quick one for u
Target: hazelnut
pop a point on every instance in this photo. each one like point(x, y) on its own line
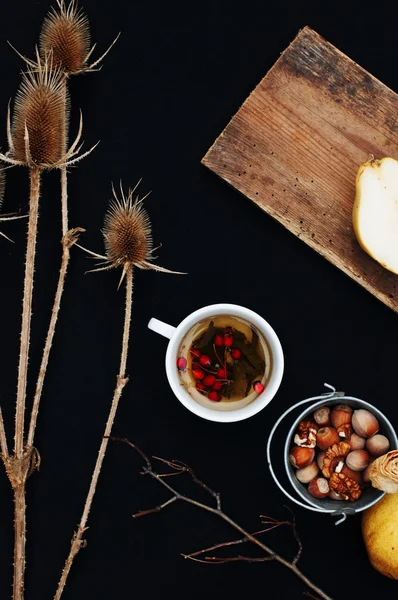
point(341, 415)
point(364, 423)
point(326, 437)
point(308, 473)
point(334, 495)
point(319, 487)
point(301, 457)
point(358, 460)
point(355, 475)
point(357, 442)
point(320, 458)
point(322, 416)
point(377, 445)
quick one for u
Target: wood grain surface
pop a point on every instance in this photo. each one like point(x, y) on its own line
point(295, 146)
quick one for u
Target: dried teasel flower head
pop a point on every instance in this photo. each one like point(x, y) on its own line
point(37, 136)
point(66, 34)
point(128, 235)
point(37, 132)
point(127, 231)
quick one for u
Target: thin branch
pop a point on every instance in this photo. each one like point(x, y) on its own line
point(178, 465)
point(3, 438)
point(77, 541)
point(156, 509)
point(218, 560)
point(270, 554)
point(235, 542)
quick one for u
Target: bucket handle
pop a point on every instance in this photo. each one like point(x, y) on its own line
point(326, 396)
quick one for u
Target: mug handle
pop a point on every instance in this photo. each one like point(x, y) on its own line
point(161, 328)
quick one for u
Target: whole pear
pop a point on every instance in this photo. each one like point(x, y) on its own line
point(380, 534)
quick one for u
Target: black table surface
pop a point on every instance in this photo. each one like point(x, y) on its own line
point(167, 89)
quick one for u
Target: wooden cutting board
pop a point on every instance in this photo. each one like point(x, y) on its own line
point(295, 146)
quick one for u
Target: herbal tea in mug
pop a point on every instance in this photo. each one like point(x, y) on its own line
point(224, 362)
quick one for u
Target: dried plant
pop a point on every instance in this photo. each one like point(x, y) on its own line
point(65, 36)
point(205, 555)
point(66, 33)
point(128, 243)
point(36, 140)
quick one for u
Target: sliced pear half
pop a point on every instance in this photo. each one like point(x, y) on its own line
point(375, 212)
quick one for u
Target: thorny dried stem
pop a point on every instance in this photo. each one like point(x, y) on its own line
point(68, 240)
point(27, 311)
point(77, 540)
point(18, 467)
point(180, 468)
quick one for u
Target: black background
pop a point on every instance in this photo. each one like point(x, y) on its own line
point(176, 76)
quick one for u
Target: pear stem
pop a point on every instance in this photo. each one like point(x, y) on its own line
point(77, 541)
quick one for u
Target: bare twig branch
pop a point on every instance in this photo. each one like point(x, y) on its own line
point(183, 468)
point(235, 542)
point(218, 560)
point(155, 509)
point(247, 537)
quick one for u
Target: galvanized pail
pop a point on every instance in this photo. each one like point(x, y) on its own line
point(336, 508)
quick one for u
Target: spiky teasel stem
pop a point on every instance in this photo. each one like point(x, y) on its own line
point(36, 140)
point(77, 541)
point(66, 36)
point(21, 462)
point(27, 311)
point(128, 243)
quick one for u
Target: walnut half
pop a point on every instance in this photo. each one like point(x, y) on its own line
point(346, 487)
point(306, 434)
point(333, 456)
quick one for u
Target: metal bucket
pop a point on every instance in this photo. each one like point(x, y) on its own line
point(336, 508)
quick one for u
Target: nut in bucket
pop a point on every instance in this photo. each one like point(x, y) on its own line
point(328, 449)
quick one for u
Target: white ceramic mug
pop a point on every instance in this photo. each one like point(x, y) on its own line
point(177, 334)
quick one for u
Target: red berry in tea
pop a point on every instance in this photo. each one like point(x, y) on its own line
point(198, 373)
point(205, 361)
point(222, 374)
point(181, 363)
point(228, 360)
point(227, 340)
point(258, 387)
point(209, 380)
point(236, 354)
point(218, 340)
